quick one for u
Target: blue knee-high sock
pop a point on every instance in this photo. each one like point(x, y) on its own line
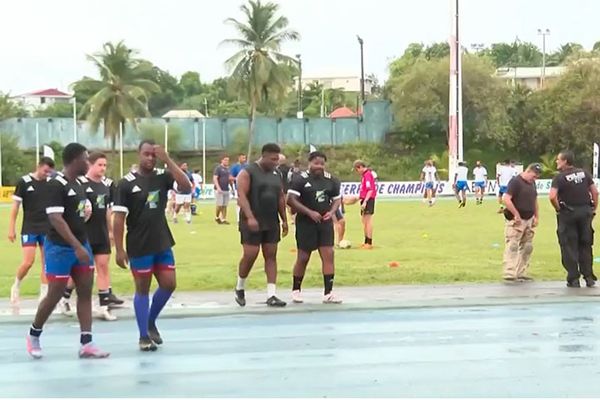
point(160, 298)
point(141, 304)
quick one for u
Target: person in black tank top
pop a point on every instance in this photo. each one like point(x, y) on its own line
point(262, 207)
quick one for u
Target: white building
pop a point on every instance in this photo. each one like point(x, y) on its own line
point(346, 82)
point(530, 77)
point(42, 99)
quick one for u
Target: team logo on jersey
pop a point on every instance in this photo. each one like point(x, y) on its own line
point(71, 193)
point(81, 208)
point(576, 177)
point(152, 199)
point(320, 196)
point(101, 201)
point(30, 189)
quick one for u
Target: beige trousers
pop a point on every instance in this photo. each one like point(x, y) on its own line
point(518, 247)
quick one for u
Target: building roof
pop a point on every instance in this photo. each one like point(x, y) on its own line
point(342, 112)
point(46, 93)
point(528, 72)
point(183, 114)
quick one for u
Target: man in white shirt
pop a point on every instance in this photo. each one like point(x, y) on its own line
point(460, 183)
point(429, 176)
point(197, 189)
point(480, 177)
point(505, 172)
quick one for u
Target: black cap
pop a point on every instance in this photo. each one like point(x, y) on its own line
point(536, 167)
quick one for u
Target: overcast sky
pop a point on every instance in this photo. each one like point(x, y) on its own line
point(43, 43)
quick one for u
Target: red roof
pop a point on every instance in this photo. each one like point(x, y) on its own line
point(342, 112)
point(48, 93)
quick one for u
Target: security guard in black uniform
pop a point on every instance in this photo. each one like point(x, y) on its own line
point(574, 196)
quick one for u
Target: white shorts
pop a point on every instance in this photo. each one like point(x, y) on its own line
point(183, 198)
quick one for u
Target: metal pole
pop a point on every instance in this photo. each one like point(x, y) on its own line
point(196, 134)
point(459, 86)
point(204, 155)
point(166, 135)
point(37, 143)
point(362, 69)
point(74, 119)
point(543, 33)
point(121, 146)
point(299, 113)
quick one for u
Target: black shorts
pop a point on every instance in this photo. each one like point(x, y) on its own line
point(100, 248)
point(369, 209)
point(339, 214)
point(251, 238)
point(310, 236)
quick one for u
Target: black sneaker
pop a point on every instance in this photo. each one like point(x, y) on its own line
point(114, 300)
point(590, 282)
point(154, 335)
point(146, 344)
point(510, 279)
point(225, 223)
point(218, 221)
point(574, 284)
point(240, 297)
point(274, 301)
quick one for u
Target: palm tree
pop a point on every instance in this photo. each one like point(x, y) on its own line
point(121, 94)
point(259, 70)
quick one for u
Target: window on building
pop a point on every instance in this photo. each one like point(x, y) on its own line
point(42, 100)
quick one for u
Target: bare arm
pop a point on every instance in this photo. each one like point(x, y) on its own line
point(243, 187)
point(12, 221)
point(553, 196)
point(58, 222)
point(282, 210)
point(216, 183)
point(594, 194)
point(119, 229)
point(507, 199)
point(422, 178)
point(183, 182)
point(109, 224)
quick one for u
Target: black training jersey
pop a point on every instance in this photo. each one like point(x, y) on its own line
point(101, 194)
point(144, 198)
point(264, 195)
point(67, 198)
point(316, 192)
point(30, 193)
point(573, 187)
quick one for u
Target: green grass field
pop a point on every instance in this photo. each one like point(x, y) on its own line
point(442, 244)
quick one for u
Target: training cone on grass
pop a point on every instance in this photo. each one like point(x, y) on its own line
point(394, 264)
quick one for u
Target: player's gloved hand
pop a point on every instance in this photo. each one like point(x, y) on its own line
point(315, 216)
point(83, 256)
point(12, 236)
point(253, 224)
point(284, 229)
point(122, 259)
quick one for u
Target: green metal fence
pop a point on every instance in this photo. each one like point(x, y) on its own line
point(219, 132)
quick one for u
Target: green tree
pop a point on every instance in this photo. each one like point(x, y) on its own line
point(420, 103)
point(56, 110)
point(10, 109)
point(259, 69)
point(168, 95)
point(190, 84)
point(565, 52)
point(121, 94)
point(15, 163)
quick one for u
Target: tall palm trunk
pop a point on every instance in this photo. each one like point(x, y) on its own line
point(252, 124)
